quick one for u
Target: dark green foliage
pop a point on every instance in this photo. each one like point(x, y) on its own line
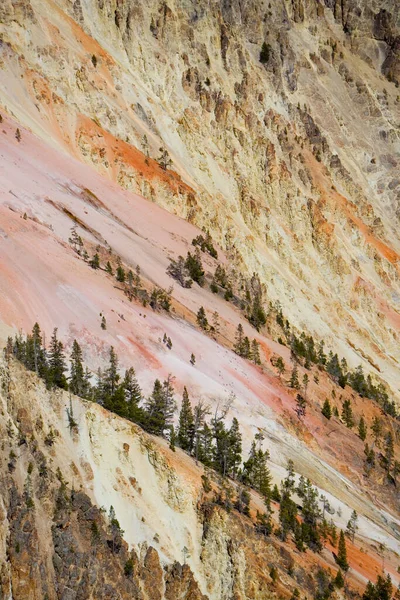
point(95, 262)
point(179, 271)
point(206, 244)
point(202, 318)
point(341, 557)
point(294, 379)
point(352, 526)
point(254, 310)
point(242, 503)
point(120, 274)
point(128, 568)
point(339, 580)
point(311, 515)
point(347, 414)
point(56, 364)
point(160, 299)
point(301, 406)
point(160, 407)
point(275, 494)
point(227, 447)
point(263, 523)
point(362, 429)
point(186, 424)
point(255, 472)
point(265, 53)
point(103, 323)
point(79, 379)
point(280, 365)
point(109, 268)
point(255, 352)
point(195, 268)
point(382, 590)
point(220, 277)
point(326, 409)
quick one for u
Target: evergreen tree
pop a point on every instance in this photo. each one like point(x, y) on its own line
point(294, 379)
point(186, 424)
point(376, 429)
point(300, 406)
point(95, 262)
point(352, 526)
point(133, 397)
point(120, 275)
point(111, 378)
point(326, 409)
point(389, 450)
point(255, 471)
point(160, 407)
point(255, 352)
point(195, 268)
point(263, 523)
point(347, 414)
point(57, 367)
point(178, 270)
point(341, 558)
point(77, 379)
point(234, 448)
point(202, 318)
point(204, 445)
point(339, 580)
point(239, 340)
point(109, 268)
point(192, 359)
point(280, 365)
point(362, 429)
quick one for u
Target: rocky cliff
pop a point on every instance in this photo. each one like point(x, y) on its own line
point(291, 161)
point(275, 126)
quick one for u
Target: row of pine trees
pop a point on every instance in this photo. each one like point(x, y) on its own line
point(205, 437)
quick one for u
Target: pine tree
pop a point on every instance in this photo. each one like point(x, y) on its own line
point(389, 450)
point(57, 367)
point(120, 275)
point(300, 406)
point(109, 268)
point(195, 268)
point(347, 414)
point(352, 527)
point(234, 448)
point(376, 429)
point(192, 359)
point(133, 396)
point(103, 323)
point(362, 429)
point(339, 580)
point(204, 445)
point(111, 376)
point(160, 407)
point(280, 365)
point(326, 409)
point(239, 340)
point(202, 318)
point(341, 558)
point(95, 262)
point(255, 352)
point(77, 380)
point(294, 379)
point(186, 424)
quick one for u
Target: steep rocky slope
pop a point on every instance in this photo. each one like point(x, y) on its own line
point(291, 162)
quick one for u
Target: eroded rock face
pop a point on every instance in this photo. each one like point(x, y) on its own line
point(259, 148)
